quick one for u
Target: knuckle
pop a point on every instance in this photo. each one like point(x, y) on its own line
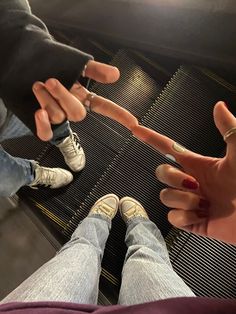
point(58, 92)
point(132, 121)
point(57, 117)
point(189, 200)
point(182, 220)
point(78, 115)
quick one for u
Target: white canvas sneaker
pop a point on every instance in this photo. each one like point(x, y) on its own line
point(106, 205)
point(130, 208)
point(50, 177)
point(73, 152)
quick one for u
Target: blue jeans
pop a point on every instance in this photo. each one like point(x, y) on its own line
point(17, 172)
point(73, 274)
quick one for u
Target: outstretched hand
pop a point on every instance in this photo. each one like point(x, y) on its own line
point(202, 196)
point(58, 104)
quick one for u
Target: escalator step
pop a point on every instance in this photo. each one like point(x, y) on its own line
point(207, 266)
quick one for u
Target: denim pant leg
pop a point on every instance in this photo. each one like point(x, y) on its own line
point(14, 173)
point(16, 128)
point(60, 133)
point(17, 172)
point(147, 272)
point(73, 274)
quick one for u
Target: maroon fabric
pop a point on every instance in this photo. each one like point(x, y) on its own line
point(169, 306)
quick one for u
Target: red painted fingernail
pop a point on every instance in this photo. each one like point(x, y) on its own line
point(202, 214)
point(204, 203)
point(190, 184)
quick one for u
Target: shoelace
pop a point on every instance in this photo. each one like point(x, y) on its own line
point(73, 145)
point(45, 177)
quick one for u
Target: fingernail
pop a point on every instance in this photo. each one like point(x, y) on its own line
point(204, 203)
point(202, 214)
point(37, 86)
point(171, 157)
point(51, 83)
point(179, 148)
point(190, 184)
point(42, 115)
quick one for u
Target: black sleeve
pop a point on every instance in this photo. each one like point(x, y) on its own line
point(28, 53)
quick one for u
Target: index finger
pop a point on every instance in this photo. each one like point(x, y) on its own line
point(163, 144)
point(105, 107)
point(109, 109)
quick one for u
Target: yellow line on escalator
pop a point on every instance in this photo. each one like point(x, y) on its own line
point(49, 214)
point(109, 277)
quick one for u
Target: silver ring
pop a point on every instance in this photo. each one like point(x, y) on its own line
point(84, 70)
point(87, 102)
point(229, 133)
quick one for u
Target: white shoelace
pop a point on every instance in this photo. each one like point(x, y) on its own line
point(45, 176)
point(72, 146)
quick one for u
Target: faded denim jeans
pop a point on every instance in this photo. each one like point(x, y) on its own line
point(17, 172)
point(73, 274)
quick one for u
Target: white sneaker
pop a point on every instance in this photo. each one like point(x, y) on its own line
point(73, 152)
point(106, 205)
point(50, 177)
point(130, 208)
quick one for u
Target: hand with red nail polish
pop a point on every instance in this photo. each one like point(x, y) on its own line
point(202, 195)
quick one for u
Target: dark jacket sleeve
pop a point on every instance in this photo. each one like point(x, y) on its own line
point(28, 53)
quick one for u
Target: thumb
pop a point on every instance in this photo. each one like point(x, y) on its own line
point(101, 72)
point(167, 146)
point(225, 121)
